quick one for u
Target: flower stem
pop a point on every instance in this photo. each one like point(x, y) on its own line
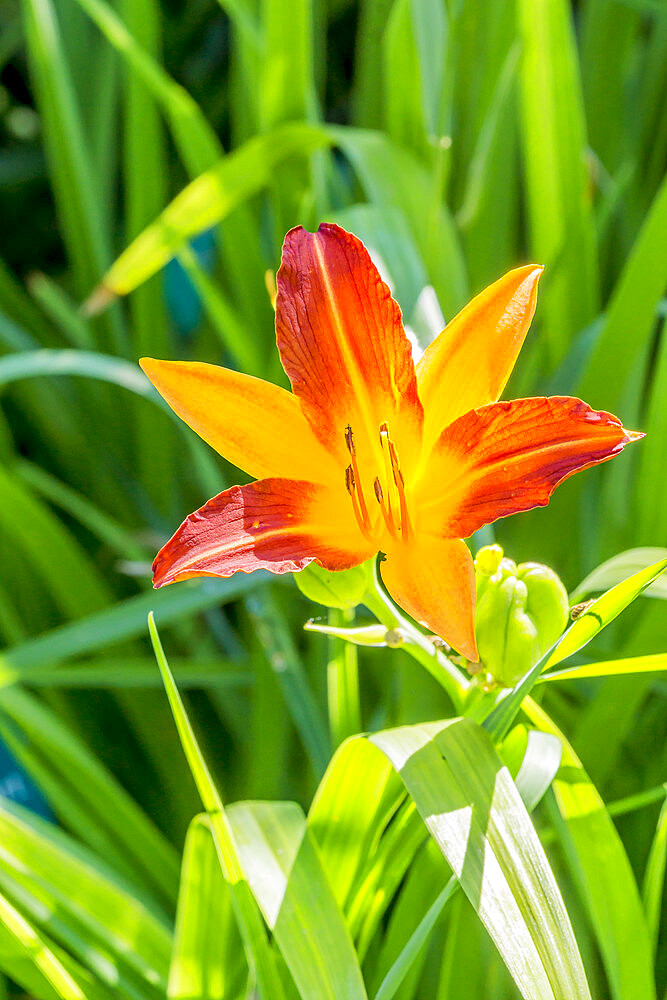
point(342, 682)
point(418, 645)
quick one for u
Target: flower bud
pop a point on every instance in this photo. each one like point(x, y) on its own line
point(521, 611)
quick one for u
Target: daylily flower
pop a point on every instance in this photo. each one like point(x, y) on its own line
point(367, 453)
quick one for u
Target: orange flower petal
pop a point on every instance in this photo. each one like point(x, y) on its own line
point(433, 579)
point(256, 425)
point(343, 346)
point(275, 524)
point(509, 457)
point(469, 363)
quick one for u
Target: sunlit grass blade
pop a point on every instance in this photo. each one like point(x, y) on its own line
point(610, 668)
point(616, 569)
point(205, 201)
point(294, 683)
point(342, 683)
point(633, 305)
point(197, 142)
point(144, 162)
point(414, 48)
point(280, 860)
point(206, 961)
point(393, 979)
point(50, 549)
point(74, 889)
point(603, 611)
point(539, 761)
point(33, 961)
point(650, 509)
point(74, 185)
point(84, 796)
point(609, 892)
point(258, 954)
point(358, 792)
point(287, 87)
point(17, 304)
point(132, 672)
point(127, 620)
point(73, 180)
point(554, 147)
point(104, 527)
point(63, 313)
point(654, 877)
point(383, 873)
point(472, 808)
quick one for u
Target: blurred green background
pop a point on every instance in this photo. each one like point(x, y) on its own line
point(458, 139)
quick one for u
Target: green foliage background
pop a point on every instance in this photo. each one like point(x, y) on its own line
point(457, 138)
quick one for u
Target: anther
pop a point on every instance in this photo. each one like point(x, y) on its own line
point(356, 479)
point(349, 440)
point(349, 479)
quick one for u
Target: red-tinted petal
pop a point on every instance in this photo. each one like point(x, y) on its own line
point(433, 579)
point(275, 524)
point(343, 346)
point(509, 457)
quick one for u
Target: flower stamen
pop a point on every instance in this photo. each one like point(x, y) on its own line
point(352, 489)
point(406, 527)
point(386, 511)
point(393, 474)
point(356, 479)
point(384, 444)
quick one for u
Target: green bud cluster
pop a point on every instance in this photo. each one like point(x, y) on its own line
point(521, 611)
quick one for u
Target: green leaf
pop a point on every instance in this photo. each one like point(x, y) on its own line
point(205, 201)
point(33, 961)
point(258, 953)
point(610, 668)
point(601, 869)
point(205, 961)
point(126, 620)
point(358, 791)
point(196, 140)
point(554, 148)
point(533, 759)
point(292, 678)
point(473, 810)
point(654, 877)
point(71, 894)
point(603, 611)
point(618, 568)
point(49, 549)
point(84, 796)
point(281, 863)
point(633, 305)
